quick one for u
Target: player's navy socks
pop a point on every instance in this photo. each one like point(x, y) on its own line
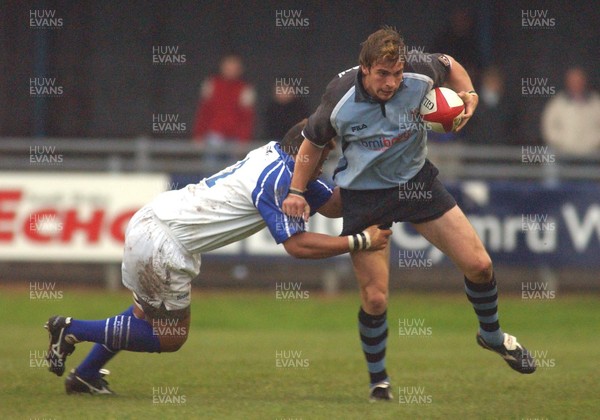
point(98, 356)
point(120, 332)
point(484, 298)
point(373, 336)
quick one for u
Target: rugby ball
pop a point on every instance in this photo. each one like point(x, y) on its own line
point(442, 110)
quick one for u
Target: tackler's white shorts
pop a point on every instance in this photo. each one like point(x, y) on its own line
point(155, 266)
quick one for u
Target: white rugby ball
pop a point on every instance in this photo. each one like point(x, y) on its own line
point(442, 109)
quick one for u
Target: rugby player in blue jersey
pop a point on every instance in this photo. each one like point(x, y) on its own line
point(373, 109)
point(165, 238)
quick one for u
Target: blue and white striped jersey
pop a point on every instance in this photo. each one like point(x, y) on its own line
point(237, 202)
point(383, 144)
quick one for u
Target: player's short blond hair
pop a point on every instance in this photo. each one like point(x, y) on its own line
point(384, 46)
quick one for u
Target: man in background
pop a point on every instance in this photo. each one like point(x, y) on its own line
point(497, 120)
point(226, 109)
point(284, 109)
point(571, 119)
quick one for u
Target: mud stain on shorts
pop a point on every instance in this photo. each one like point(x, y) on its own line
point(150, 281)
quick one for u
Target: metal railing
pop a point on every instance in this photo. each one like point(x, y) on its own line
point(455, 160)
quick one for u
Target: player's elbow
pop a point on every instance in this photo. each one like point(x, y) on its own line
point(294, 247)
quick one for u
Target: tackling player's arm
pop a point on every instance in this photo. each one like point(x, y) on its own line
point(317, 133)
point(459, 81)
point(307, 160)
point(316, 245)
point(302, 244)
point(291, 231)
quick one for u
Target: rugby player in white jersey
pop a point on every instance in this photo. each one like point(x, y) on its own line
point(165, 238)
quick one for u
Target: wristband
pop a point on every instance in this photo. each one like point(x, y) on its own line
point(360, 241)
point(351, 243)
point(294, 191)
point(367, 237)
point(472, 92)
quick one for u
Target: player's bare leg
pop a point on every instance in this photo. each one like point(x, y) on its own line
point(372, 272)
point(454, 235)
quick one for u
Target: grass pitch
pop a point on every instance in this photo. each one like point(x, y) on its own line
point(252, 356)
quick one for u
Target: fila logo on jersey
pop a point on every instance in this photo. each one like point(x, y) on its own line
point(358, 127)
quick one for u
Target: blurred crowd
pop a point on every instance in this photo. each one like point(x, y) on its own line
point(570, 118)
point(569, 123)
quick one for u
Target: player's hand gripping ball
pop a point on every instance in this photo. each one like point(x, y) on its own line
point(442, 110)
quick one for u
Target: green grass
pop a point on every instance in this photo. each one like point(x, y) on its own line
point(227, 368)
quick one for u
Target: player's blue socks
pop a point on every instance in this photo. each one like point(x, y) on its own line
point(373, 336)
point(94, 361)
point(484, 298)
point(121, 332)
point(98, 356)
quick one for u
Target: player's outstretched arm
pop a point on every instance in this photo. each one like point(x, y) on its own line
point(333, 207)
point(316, 245)
point(459, 81)
point(305, 164)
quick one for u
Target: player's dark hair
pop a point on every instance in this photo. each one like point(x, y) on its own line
point(293, 138)
point(384, 46)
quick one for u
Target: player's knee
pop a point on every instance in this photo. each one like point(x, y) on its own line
point(375, 302)
point(172, 344)
point(480, 270)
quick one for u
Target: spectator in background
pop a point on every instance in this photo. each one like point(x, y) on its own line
point(571, 119)
point(497, 119)
point(461, 42)
point(226, 109)
point(283, 111)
